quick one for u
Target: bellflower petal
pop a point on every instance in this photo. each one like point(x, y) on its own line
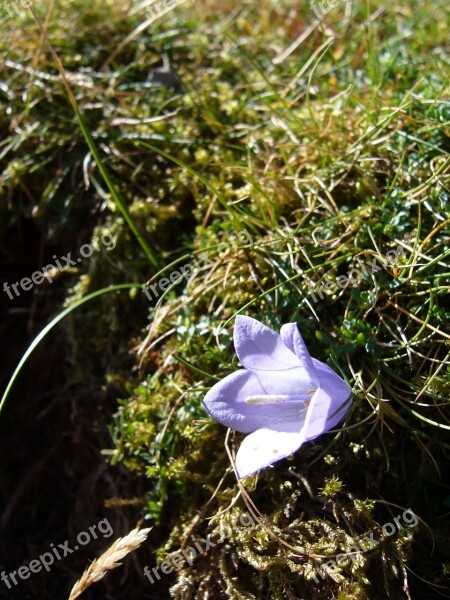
point(264, 446)
point(282, 397)
point(226, 403)
point(260, 348)
point(329, 404)
point(291, 338)
point(292, 382)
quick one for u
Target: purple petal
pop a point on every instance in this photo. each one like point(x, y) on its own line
point(264, 447)
point(260, 348)
point(291, 337)
point(225, 402)
point(293, 382)
point(329, 404)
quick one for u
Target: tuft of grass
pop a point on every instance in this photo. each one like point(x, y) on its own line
point(332, 154)
point(110, 559)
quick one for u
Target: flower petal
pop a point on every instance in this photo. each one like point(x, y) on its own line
point(261, 348)
point(294, 382)
point(264, 447)
point(292, 339)
point(329, 404)
point(225, 402)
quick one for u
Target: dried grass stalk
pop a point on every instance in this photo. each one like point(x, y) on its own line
point(109, 560)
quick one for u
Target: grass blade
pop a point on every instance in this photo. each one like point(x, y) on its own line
point(118, 200)
point(49, 327)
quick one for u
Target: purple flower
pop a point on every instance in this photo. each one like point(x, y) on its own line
point(282, 397)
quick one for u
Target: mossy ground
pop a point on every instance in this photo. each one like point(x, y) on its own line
point(279, 168)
